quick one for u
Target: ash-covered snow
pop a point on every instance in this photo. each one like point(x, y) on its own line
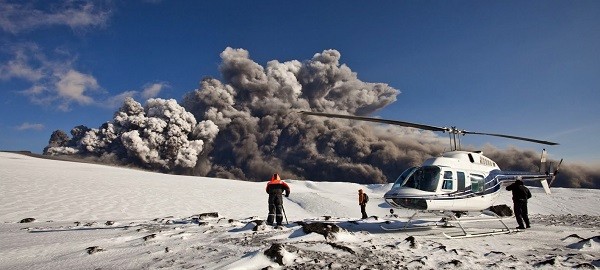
point(90, 216)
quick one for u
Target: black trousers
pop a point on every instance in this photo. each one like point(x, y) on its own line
point(275, 209)
point(521, 212)
point(363, 210)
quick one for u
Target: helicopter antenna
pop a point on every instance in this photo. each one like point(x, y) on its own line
point(453, 132)
point(458, 139)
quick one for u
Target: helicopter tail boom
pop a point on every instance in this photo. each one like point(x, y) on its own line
point(507, 177)
point(545, 176)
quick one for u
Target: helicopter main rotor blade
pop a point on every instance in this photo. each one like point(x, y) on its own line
point(421, 126)
point(378, 120)
point(511, 137)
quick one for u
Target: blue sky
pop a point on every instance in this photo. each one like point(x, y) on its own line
point(525, 68)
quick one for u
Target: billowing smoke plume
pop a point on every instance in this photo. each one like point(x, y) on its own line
point(250, 127)
point(261, 133)
point(161, 135)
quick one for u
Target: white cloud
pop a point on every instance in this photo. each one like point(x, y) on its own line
point(25, 16)
point(73, 85)
point(21, 65)
point(28, 126)
point(35, 90)
point(153, 90)
point(54, 81)
point(18, 68)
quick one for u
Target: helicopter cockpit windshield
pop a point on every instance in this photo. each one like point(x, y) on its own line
point(424, 178)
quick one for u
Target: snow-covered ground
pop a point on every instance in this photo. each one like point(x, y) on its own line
point(91, 216)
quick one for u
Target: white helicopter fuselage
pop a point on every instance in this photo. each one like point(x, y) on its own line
point(457, 181)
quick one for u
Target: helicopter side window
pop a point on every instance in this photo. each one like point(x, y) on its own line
point(448, 179)
point(477, 183)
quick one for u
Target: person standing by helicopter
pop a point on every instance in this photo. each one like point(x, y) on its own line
point(362, 201)
point(520, 194)
point(275, 189)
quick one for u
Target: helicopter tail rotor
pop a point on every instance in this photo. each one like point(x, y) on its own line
point(555, 172)
point(550, 172)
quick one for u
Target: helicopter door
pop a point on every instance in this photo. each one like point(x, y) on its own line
point(461, 181)
point(448, 185)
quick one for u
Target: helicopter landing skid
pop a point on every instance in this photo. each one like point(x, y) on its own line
point(453, 220)
point(408, 226)
point(471, 235)
point(404, 228)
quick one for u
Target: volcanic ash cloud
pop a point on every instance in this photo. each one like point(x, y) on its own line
point(246, 126)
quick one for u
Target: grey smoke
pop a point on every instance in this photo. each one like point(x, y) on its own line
point(161, 135)
point(570, 175)
point(255, 109)
point(249, 128)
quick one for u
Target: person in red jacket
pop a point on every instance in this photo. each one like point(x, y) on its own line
point(362, 201)
point(275, 189)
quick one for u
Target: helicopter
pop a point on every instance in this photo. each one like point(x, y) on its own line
point(457, 182)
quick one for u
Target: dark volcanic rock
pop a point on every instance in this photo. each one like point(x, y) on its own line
point(94, 249)
point(275, 252)
point(551, 261)
point(412, 241)
point(455, 262)
point(491, 253)
point(27, 220)
point(148, 237)
point(208, 215)
point(341, 247)
point(585, 242)
point(584, 266)
point(325, 229)
point(572, 235)
point(502, 210)
point(260, 225)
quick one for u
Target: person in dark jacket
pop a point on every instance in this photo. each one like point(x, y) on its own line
point(520, 194)
point(362, 201)
point(275, 188)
